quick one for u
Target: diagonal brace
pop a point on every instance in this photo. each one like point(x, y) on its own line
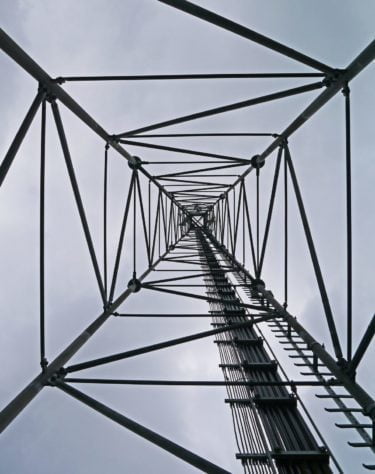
point(146, 433)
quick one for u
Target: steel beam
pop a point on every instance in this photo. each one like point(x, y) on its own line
point(146, 433)
point(227, 108)
point(173, 77)
point(20, 135)
point(240, 30)
point(163, 345)
point(362, 347)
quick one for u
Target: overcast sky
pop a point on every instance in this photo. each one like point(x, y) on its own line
point(56, 434)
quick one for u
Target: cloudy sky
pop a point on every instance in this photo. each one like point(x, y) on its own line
point(55, 434)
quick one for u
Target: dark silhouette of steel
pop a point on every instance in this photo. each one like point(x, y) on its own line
point(172, 77)
point(204, 227)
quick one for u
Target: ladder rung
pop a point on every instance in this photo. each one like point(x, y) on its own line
point(252, 456)
point(286, 456)
point(344, 410)
point(337, 395)
point(301, 357)
point(325, 374)
point(296, 349)
point(264, 401)
point(360, 445)
point(301, 456)
point(257, 341)
point(252, 365)
point(308, 365)
point(291, 341)
point(354, 425)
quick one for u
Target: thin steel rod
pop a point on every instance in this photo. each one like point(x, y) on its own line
point(143, 218)
point(200, 297)
point(121, 239)
point(226, 108)
point(179, 162)
point(249, 227)
point(187, 173)
point(169, 77)
point(20, 135)
point(181, 150)
point(205, 383)
point(270, 210)
point(286, 261)
point(156, 226)
point(77, 195)
point(148, 315)
point(180, 135)
point(146, 433)
point(177, 278)
point(135, 225)
point(314, 258)
point(163, 345)
point(245, 32)
point(362, 347)
point(149, 219)
point(105, 198)
point(43, 360)
point(257, 203)
point(346, 92)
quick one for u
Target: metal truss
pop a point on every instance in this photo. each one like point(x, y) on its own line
point(199, 217)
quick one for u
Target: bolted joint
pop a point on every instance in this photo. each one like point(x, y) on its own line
point(59, 80)
point(134, 163)
point(257, 162)
point(107, 306)
point(332, 78)
point(222, 196)
point(258, 282)
point(42, 88)
point(134, 285)
point(44, 364)
point(50, 98)
point(171, 247)
point(57, 377)
point(114, 139)
point(345, 90)
point(283, 142)
point(370, 411)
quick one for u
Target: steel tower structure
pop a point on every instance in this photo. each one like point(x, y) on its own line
point(201, 220)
